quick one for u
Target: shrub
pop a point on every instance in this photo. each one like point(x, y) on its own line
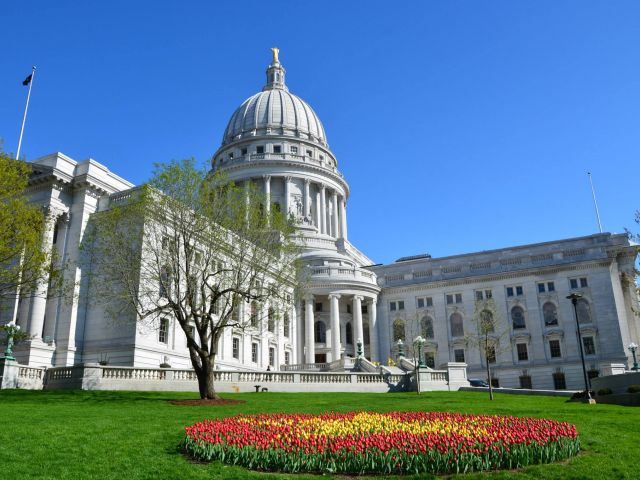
point(633, 389)
point(604, 391)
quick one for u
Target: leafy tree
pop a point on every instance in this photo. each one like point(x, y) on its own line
point(193, 247)
point(25, 263)
point(632, 279)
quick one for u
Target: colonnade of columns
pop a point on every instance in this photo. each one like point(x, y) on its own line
point(329, 215)
point(35, 306)
point(334, 316)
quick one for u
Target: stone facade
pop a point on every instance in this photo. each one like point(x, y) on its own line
point(276, 141)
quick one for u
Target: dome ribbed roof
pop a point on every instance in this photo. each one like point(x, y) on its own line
point(274, 111)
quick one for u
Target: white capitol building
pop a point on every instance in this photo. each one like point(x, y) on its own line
point(275, 140)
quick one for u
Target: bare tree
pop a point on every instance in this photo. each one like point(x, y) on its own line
point(490, 337)
point(194, 247)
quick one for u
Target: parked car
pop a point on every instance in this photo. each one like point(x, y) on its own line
point(476, 382)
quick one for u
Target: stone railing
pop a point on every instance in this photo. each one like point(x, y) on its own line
point(335, 272)
point(305, 367)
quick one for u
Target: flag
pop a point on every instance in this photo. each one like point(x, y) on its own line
point(27, 80)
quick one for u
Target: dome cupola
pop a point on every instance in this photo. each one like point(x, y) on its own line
point(275, 111)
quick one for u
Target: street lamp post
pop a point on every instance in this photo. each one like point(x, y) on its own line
point(12, 329)
point(632, 348)
point(574, 297)
point(400, 348)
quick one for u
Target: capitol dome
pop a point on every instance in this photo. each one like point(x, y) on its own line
point(275, 111)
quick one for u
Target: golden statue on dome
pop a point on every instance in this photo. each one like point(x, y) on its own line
point(275, 52)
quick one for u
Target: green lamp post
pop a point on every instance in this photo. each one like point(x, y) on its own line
point(11, 328)
point(632, 348)
point(418, 344)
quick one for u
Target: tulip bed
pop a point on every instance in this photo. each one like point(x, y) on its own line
point(367, 442)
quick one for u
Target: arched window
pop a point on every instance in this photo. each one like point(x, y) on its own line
point(398, 330)
point(517, 316)
point(550, 314)
point(457, 330)
point(584, 311)
point(349, 334)
point(320, 332)
point(426, 327)
point(486, 322)
point(285, 324)
point(271, 320)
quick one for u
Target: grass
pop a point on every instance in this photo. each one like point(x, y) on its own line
point(134, 435)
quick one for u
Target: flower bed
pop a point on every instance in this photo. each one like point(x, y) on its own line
point(367, 442)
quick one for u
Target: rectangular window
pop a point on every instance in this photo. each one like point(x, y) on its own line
point(525, 382)
point(254, 352)
point(294, 149)
point(429, 301)
point(583, 283)
point(523, 355)
point(488, 294)
point(491, 354)
point(364, 309)
point(589, 346)
point(458, 298)
point(449, 299)
point(458, 355)
point(309, 153)
point(260, 149)
point(519, 290)
point(554, 349)
point(272, 356)
point(420, 302)
point(559, 381)
point(163, 331)
point(430, 359)
point(551, 286)
point(318, 306)
point(392, 306)
point(287, 358)
point(277, 149)
point(509, 291)
point(479, 295)
point(574, 283)
point(235, 350)
point(400, 305)
point(541, 288)
point(243, 151)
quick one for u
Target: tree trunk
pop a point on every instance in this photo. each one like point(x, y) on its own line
point(205, 380)
point(489, 378)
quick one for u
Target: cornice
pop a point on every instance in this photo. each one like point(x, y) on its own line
point(584, 265)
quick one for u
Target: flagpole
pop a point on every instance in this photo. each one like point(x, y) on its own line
point(26, 107)
point(595, 203)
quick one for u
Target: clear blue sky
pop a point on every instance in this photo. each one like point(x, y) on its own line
point(460, 125)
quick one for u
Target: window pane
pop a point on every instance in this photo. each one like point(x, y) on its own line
point(517, 316)
point(518, 290)
point(574, 283)
point(523, 355)
point(457, 329)
point(589, 346)
point(429, 302)
point(458, 298)
point(400, 305)
point(583, 283)
point(509, 291)
point(478, 295)
point(458, 354)
point(421, 303)
point(541, 287)
point(550, 314)
point(554, 348)
point(551, 286)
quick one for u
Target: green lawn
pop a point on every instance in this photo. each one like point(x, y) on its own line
point(134, 435)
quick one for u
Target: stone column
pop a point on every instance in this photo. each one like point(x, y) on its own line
point(334, 309)
point(298, 352)
point(334, 201)
point(343, 217)
point(357, 320)
point(310, 345)
point(323, 209)
point(373, 330)
point(39, 299)
point(247, 199)
point(287, 194)
point(307, 198)
point(51, 314)
point(267, 196)
point(317, 212)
